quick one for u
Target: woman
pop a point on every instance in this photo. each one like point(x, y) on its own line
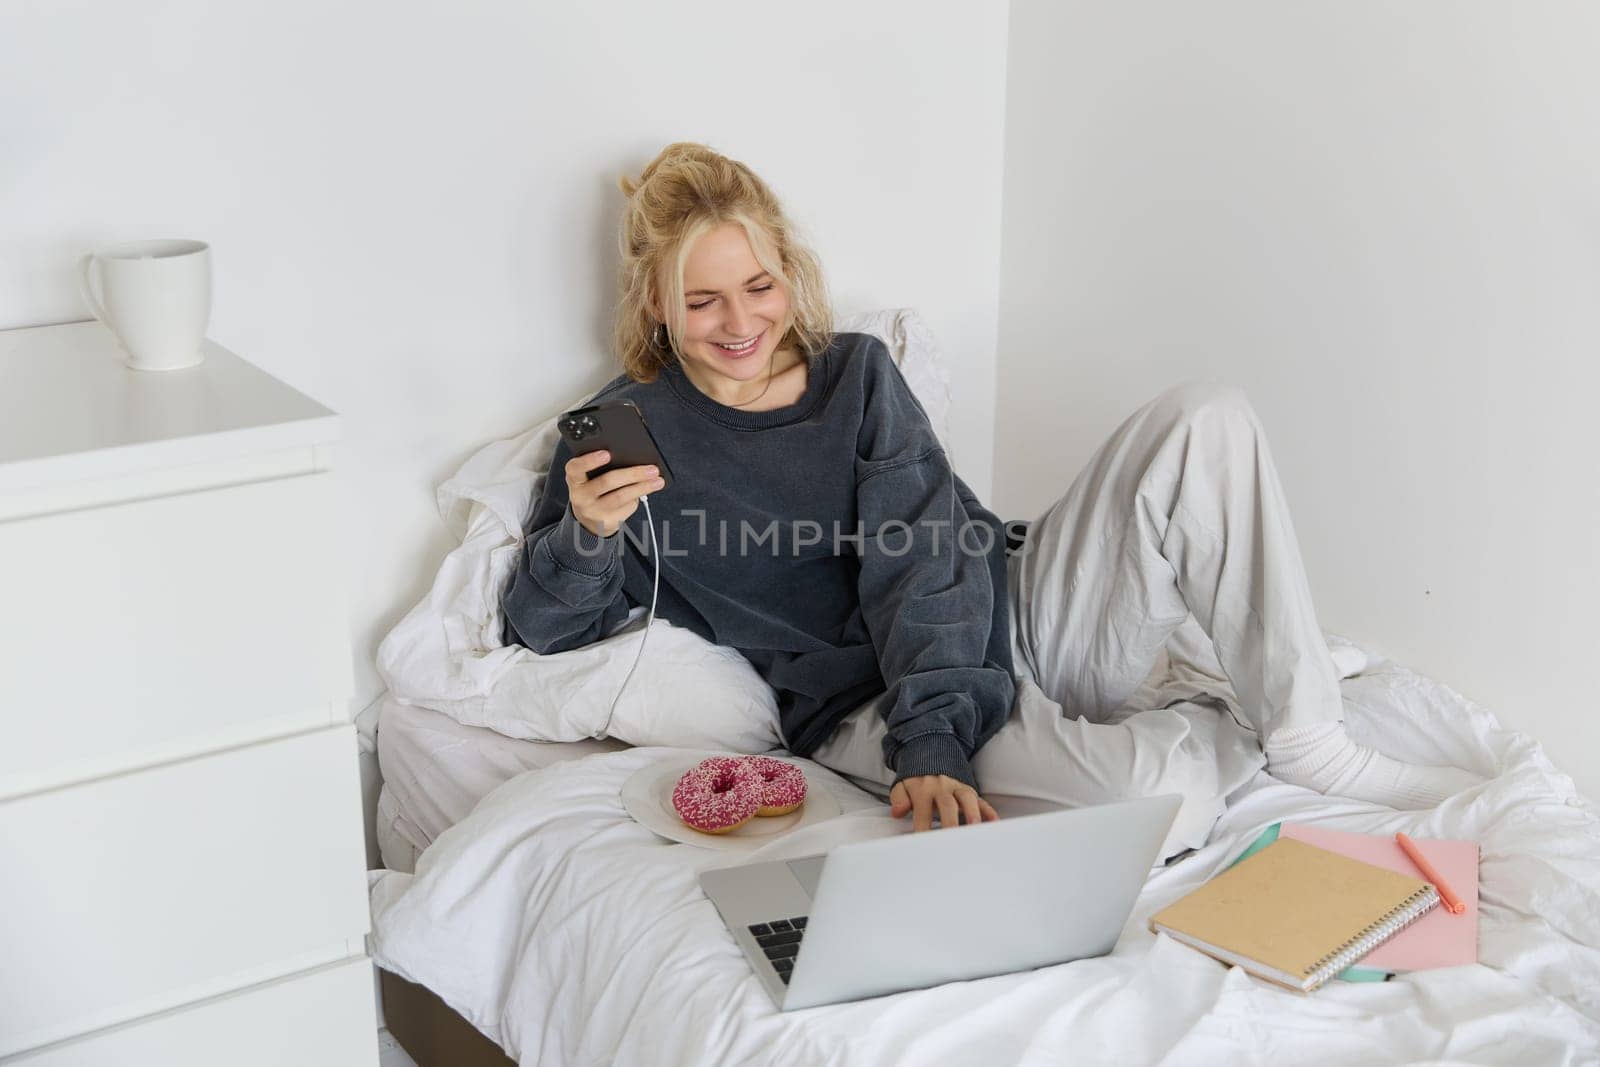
point(815, 524)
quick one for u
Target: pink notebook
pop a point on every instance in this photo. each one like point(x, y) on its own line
point(1438, 939)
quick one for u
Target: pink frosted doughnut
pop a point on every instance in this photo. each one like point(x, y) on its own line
point(718, 794)
point(785, 785)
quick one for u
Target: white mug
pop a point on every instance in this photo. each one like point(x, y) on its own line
point(157, 299)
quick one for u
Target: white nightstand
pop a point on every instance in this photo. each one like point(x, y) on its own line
point(181, 847)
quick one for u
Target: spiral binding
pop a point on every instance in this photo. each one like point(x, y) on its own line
point(1411, 909)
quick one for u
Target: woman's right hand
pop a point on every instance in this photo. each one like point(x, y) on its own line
point(603, 503)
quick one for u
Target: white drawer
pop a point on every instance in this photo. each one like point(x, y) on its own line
point(140, 892)
point(321, 1019)
point(154, 629)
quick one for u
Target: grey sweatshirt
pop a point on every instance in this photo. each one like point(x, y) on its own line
point(828, 541)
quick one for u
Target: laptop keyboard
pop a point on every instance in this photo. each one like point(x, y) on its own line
point(780, 940)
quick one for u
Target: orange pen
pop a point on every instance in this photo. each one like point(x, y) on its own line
point(1452, 903)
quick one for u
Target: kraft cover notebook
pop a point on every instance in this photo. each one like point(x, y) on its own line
point(1296, 914)
point(1438, 939)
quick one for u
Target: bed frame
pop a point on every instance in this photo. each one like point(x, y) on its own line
point(431, 1032)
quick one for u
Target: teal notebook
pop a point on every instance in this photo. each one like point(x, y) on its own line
point(1349, 974)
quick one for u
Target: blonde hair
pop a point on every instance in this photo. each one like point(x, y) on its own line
point(686, 191)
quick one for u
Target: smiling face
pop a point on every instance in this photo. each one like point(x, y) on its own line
point(735, 315)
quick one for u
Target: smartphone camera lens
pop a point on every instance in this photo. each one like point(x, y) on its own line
point(572, 427)
point(588, 423)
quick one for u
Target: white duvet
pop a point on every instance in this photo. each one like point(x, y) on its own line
point(571, 935)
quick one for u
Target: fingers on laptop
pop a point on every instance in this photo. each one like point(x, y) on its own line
point(954, 801)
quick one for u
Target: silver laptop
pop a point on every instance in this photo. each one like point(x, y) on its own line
point(920, 909)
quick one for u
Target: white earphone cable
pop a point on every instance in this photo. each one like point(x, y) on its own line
point(655, 555)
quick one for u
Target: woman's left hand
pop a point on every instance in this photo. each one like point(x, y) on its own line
point(922, 794)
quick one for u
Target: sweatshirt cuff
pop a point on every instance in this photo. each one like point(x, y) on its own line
point(937, 753)
point(574, 548)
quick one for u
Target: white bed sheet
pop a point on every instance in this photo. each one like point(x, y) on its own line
point(435, 770)
point(570, 934)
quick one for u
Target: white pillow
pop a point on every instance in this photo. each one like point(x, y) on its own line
point(685, 693)
point(447, 653)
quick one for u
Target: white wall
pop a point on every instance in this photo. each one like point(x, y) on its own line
point(1382, 220)
point(412, 207)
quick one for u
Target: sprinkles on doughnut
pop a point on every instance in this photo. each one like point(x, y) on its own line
point(718, 794)
point(785, 785)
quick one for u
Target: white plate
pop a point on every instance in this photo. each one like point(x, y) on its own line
point(647, 795)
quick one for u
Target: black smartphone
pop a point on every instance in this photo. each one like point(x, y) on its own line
point(616, 428)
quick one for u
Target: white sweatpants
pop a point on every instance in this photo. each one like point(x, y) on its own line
point(1177, 519)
